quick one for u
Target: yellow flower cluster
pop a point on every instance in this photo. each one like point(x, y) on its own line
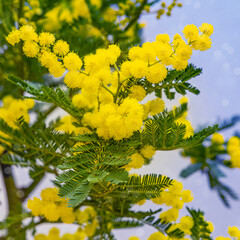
point(44, 48)
point(66, 125)
point(153, 107)
point(54, 208)
point(183, 120)
point(198, 41)
point(54, 234)
point(12, 110)
point(217, 139)
point(29, 11)
point(117, 122)
point(112, 115)
point(185, 224)
point(233, 148)
point(175, 197)
point(138, 159)
point(88, 219)
point(234, 232)
point(61, 13)
point(176, 53)
point(51, 206)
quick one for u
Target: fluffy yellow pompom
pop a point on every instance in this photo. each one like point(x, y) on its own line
point(50, 195)
point(137, 161)
point(134, 53)
point(47, 59)
point(178, 63)
point(170, 215)
point(61, 48)
point(164, 38)
point(217, 138)
point(157, 236)
point(74, 79)
point(137, 92)
point(40, 237)
point(30, 48)
point(202, 43)
point(118, 122)
point(148, 151)
point(234, 232)
point(191, 32)
point(134, 238)
point(184, 52)
point(113, 53)
point(35, 206)
point(206, 29)
point(27, 33)
point(13, 37)
point(187, 196)
point(186, 223)
point(139, 68)
point(56, 69)
point(51, 212)
point(72, 62)
point(155, 106)
point(46, 39)
point(156, 73)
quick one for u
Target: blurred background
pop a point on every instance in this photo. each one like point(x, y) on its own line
point(219, 99)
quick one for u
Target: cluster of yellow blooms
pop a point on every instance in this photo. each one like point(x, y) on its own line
point(54, 234)
point(69, 12)
point(61, 13)
point(138, 159)
point(55, 209)
point(183, 120)
point(185, 224)
point(233, 148)
point(118, 122)
point(175, 197)
point(29, 11)
point(113, 116)
point(66, 125)
point(12, 110)
point(217, 138)
point(51, 206)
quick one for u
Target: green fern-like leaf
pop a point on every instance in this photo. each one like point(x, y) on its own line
point(147, 186)
point(200, 228)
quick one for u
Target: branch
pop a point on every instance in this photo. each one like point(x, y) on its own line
point(31, 187)
point(138, 13)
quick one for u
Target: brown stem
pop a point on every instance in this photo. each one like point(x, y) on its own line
point(14, 198)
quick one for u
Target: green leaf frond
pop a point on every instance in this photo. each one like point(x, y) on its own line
point(164, 133)
point(94, 161)
point(119, 223)
point(200, 228)
point(38, 147)
point(163, 226)
point(48, 95)
point(176, 81)
point(144, 187)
